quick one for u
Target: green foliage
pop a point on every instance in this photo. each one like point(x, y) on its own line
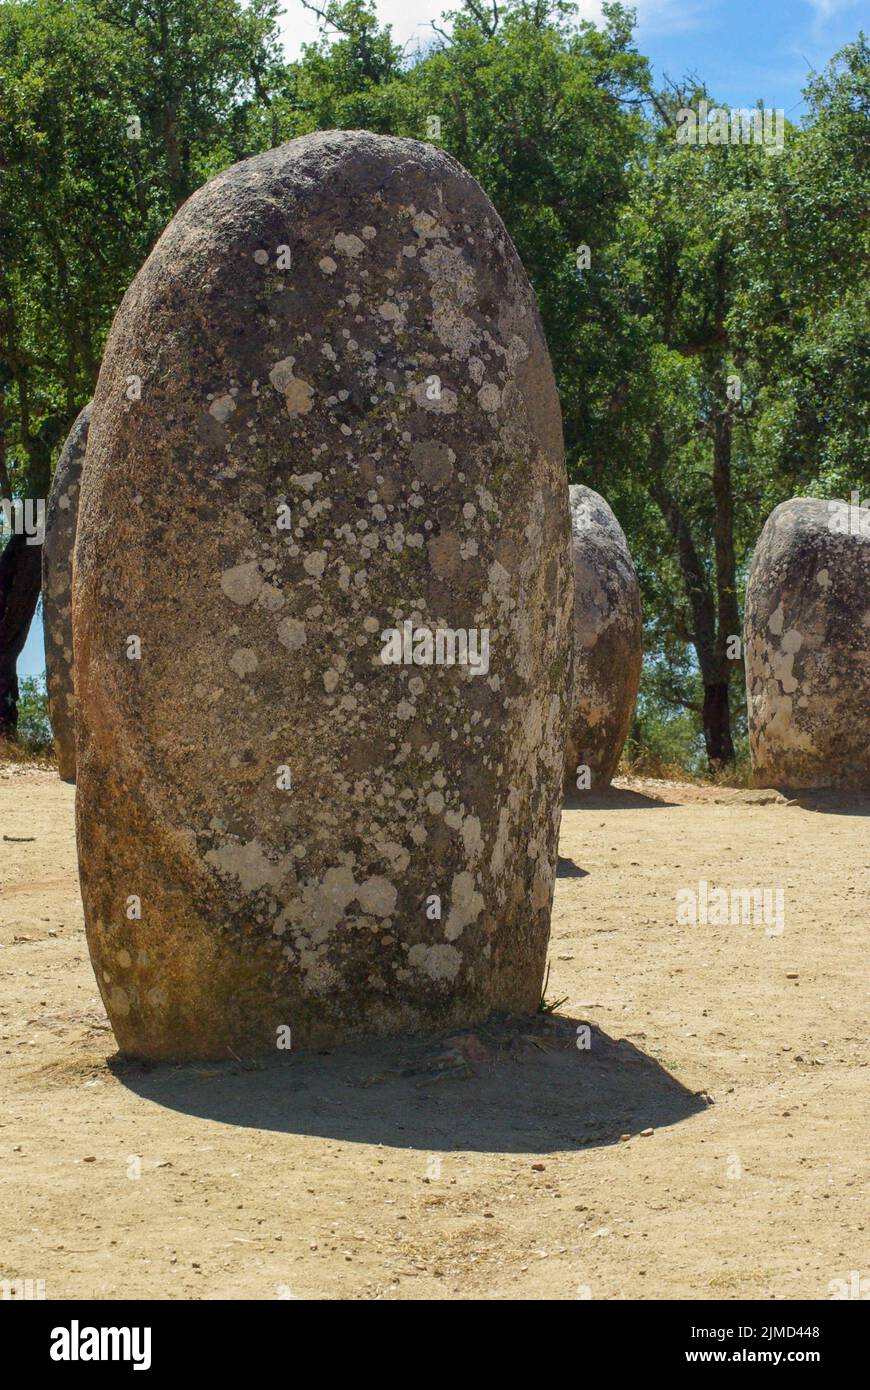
point(34, 729)
point(665, 739)
point(84, 194)
point(707, 264)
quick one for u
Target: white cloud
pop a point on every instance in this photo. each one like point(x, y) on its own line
point(826, 9)
point(668, 16)
point(411, 20)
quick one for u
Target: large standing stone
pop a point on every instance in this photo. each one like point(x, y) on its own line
point(340, 327)
point(57, 553)
point(807, 647)
point(608, 643)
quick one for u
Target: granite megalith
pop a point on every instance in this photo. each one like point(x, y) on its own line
point(57, 557)
point(322, 614)
point(807, 647)
point(608, 643)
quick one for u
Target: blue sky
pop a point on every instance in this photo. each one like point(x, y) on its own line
point(32, 660)
point(745, 50)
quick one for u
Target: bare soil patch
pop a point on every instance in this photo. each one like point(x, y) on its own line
point(505, 1163)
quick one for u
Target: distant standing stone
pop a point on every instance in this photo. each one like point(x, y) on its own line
point(608, 643)
point(322, 614)
point(807, 647)
point(57, 553)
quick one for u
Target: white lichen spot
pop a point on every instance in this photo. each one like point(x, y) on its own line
point(243, 661)
point(292, 634)
point(298, 395)
point(119, 1001)
point(377, 896)
point(425, 225)
point(438, 962)
point(248, 863)
point(306, 481)
point(443, 404)
point(270, 598)
point(471, 836)
point(242, 584)
point(222, 408)
point(348, 245)
point(517, 351)
point(466, 905)
point(315, 563)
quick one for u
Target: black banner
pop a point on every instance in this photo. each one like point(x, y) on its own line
point(63, 1338)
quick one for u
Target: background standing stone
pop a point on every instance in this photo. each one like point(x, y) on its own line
point(608, 641)
point(57, 556)
point(325, 410)
point(807, 647)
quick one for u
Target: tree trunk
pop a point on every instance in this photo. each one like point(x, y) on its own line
point(20, 580)
point(728, 613)
point(717, 723)
point(707, 639)
point(726, 562)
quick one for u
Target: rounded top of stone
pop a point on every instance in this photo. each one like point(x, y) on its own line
point(812, 524)
point(77, 438)
point(591, 513)
point(342, 191)
point(69, 463)
point(354, 161)
point(808, 509)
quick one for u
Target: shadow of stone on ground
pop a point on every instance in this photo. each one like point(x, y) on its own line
point(511, 1086)
point(832, 803)
point(613, 799)
point(566, 868)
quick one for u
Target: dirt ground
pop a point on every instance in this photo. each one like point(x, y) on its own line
point(707, 1143)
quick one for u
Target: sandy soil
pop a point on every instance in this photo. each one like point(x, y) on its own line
point(504, 1164)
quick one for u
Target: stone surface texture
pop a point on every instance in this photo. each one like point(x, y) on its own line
point(608, 643)
point(807, 647)
point(61, 518)
point(326, 410)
